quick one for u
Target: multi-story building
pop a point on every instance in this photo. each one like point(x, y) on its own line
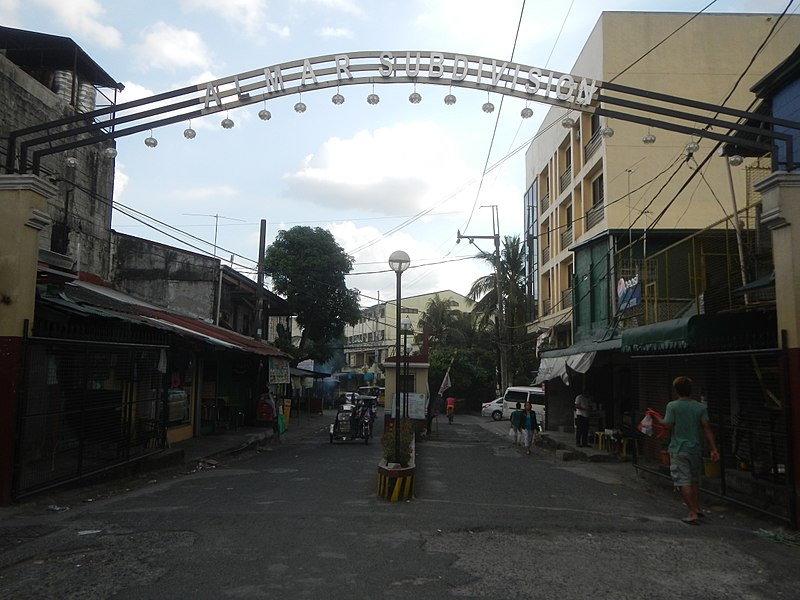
point(603, 195)
point(650, 255)
point(374, 337)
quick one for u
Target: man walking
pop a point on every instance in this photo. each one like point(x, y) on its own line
point(686, 418)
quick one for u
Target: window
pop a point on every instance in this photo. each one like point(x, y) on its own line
point(597, 191)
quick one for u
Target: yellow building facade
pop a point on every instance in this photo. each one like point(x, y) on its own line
point(591, 177)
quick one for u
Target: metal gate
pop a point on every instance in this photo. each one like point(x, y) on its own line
point(749, 413)
point(86, 407)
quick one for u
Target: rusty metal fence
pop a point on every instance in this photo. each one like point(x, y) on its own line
point(86, 407)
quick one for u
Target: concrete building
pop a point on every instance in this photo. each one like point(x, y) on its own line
point(596, 206)
point(652, 254)
point(374, 337)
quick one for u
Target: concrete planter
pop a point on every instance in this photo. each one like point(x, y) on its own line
point(396, 483)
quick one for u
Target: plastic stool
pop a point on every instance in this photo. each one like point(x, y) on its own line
point(599, 439)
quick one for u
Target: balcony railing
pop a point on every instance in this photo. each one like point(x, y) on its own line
point(566, 298)
point(565, 179)
point(545, 202)
point(545, 254)
point(547, 306)
point(566, 237)
point(594, 215)
point(592, 145)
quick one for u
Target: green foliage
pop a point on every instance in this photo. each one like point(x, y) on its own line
point(308, 267)
point(520, 346)
point(472, 372)
point(388, 443)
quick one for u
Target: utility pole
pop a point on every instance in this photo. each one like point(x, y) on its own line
point(262, 243)
point(501, 325)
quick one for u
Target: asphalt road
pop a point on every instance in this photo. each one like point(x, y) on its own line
point(302, 520)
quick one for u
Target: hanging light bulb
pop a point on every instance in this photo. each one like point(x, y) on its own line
point(735, 160)
point(150, 141)
point(110, 152)
point(526, 113)
point(373, 98)
point(227, 123)
point(337, 99)
point(568, 122)
point(72, 162)
point(692, 147)
point(264, 114)
point(649, 139)
point(189, 133)
point(449, 100)
point(607, 132)
point(300, 106)
point(414, 97)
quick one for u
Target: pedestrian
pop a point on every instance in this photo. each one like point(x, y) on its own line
point(276, 431)
point(687, 421)
point(451, 408)
point(516, 423)
point(529, 427)
point(583, 403)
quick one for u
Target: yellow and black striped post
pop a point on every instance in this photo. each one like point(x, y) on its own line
point(396, 484)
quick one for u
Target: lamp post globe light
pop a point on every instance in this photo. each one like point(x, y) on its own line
point(398, 262)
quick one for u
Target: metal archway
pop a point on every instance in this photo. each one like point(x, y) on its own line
point(662, 111)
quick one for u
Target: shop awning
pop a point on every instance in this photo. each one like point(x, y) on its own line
point(86, 298)
point(704, 333)
point(578, 357)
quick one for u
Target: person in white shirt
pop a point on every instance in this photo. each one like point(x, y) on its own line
point(583, 402)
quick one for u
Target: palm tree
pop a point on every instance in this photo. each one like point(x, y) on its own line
point(510, 274)
point(439, 318)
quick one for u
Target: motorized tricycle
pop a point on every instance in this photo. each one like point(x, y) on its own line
point(353, 422)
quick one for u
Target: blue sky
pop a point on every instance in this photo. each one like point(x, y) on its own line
point(355, 169)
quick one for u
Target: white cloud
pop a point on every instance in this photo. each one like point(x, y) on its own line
point(120, 181)
point(166, 47)
point(9, 12)
point(344, 6)
point(381, 170)
point(133, 91)
point(336, 33)
point(248, 15)
point(83, 18)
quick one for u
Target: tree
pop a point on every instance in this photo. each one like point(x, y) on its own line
point(484, 293)
point(308, 267)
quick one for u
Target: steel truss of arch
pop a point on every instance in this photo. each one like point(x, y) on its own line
point(761, 134)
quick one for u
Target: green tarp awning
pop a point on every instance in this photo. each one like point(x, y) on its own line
point(704, 333)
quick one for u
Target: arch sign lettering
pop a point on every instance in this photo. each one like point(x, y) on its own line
point(518, 80)
point(439, 68)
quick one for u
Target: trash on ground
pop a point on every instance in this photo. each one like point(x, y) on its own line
point(57, 508)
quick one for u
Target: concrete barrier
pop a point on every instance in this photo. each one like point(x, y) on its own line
point(396, 483)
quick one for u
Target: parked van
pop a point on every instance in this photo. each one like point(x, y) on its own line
point(523, 394)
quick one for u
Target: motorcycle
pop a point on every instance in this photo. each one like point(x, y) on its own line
point(351, 423)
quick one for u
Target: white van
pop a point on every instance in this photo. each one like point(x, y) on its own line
point(523, 394)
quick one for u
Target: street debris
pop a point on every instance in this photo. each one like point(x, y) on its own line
point(57, 508)
point(782, 537)
point(89, 531)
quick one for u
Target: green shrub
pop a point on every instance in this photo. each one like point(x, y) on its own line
point(406, 437)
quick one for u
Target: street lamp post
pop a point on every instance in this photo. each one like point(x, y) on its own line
point(398, 261)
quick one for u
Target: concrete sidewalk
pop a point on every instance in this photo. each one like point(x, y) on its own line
point(231, 441)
